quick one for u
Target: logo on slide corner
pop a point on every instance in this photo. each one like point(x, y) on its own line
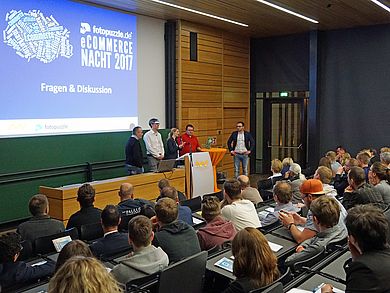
point(85, 28)
point(33, 35)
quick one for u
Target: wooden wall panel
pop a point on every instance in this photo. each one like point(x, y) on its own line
point(213, 92)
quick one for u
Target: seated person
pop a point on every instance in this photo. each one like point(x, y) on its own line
point(40, 224)
point(331, 155)
point(265, 186)
point(217, 230)
point(247, 191)
point(129, 207)
point(255, 265)
point(326, 213)
point(378, 177)
point(286, 163)
point(112, 241)
point(73, 248)
point(325, 175)
point(296, 178)
point(241, 212)
point(175, 237)
point(83, 274)
point(369, 269)
point(359, 192)
point(165, 183)
point(87, 214)
point(310, 190)
point(145, 258)
point(185, 213)
point(341, 179)
point(282, 197)
point(364, 159)
point(14, 272)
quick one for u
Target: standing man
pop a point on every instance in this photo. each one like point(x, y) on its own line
point(241, 144)
point(191, 143)
point(154, 145)
point(134, 156)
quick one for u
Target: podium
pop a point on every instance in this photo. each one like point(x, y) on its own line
point(216, 156)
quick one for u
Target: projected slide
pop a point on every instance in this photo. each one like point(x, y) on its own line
point(66, 67)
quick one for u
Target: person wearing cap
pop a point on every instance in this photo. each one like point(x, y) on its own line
point(87, 214)
point(296, 179)
point(191, 143)
point(154, 144)
point(310, 190)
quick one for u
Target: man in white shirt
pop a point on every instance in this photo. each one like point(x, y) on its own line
point(154, 145)
point(241, 212)
point(240, 144)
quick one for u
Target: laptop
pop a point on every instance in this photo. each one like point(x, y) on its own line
point(165, 165)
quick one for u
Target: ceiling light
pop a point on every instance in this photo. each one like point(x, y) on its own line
point(289, 11)
point(200, 12)
point(380, 4)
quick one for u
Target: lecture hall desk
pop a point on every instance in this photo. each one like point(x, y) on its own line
point(63, 200)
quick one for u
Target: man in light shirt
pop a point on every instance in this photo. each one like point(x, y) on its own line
point(240, 144)
point(154, 145)
point(241, 212)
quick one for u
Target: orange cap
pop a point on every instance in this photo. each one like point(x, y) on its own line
point(312, 186)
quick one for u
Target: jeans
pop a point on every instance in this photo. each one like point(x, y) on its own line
point(240, 158)
point(133, 170)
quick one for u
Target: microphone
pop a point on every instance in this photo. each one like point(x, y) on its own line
point(326, 275)
point(190, 149)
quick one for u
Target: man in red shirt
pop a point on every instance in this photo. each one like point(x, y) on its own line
point(191, 143)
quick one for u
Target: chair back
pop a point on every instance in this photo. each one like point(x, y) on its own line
point(338, 245)
point(270, 227)
point(186, 275)
point(320, 255)
point(193, 203)
point(90, 232)
point(274, 288)
point(277, 285)
point(44, 245)
point(27, 250)
point(218, 194)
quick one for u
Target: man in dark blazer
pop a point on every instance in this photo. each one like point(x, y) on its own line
point(40, 224)
point(113, 241)
point(241, 144)
point(133, 151)
point(13, 272)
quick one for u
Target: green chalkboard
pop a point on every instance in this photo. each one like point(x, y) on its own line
point(34, 153)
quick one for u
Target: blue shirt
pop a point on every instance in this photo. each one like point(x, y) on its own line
point(185, 214)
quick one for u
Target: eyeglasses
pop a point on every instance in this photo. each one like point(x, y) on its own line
point(239, 126)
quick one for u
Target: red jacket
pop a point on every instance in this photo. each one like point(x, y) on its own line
point(215, 233)
point(191, 144)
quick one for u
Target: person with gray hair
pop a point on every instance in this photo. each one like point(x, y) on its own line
point(296, 179)
point(41, 224)
point(385, 158)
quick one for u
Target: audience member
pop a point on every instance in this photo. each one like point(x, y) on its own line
point(14, 272)
point(154, 145)
point(324, 161)
point(324, 174)
point(385, 158)
point(282, 197)
point(363, 159)
point(255, 265)
point(40, 224)
point(310, 190)
point(217, 230)
point(87, 214)
point(378, 177)
point(240, 144)
point(326, 213)
point(247, 191)
point(359, 192)
point(129, 207)
point(191, 143)
point(373, 156)
point(340, 151)
point(133, 151)
point(369, 269)
point(296, 179)
point(165, 183)
point(175, 237)
point(331, 155)
point(185, 213)
point(286, 163)
point(240, 211)
point(112, 241)
point(265, 186)
point(83, 274)
point(173, 147)
point(341, 179)
point(73, 248)
point(145, 258)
